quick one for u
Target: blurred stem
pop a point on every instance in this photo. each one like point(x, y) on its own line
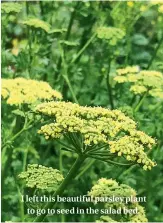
point(83, 48)
point(61, 170)
point(140, 101)
point(133, 100)
point(71, 175)
point(89, 164)
point(65, 76)
point(12, 139)
point(30, 49)
point(109, 86)
point(155, 53)
point(21, 204)
point(73, 14)
point(8, 159)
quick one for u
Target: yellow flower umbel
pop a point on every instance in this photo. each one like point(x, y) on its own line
point(23, 91)
point(41, 177)
point(112, 34)
point(142, 81)
point(97, 132)
point(108, 188)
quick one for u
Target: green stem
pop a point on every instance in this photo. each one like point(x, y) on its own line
point(85, 168)
point(7, 160)
point(71, 175)
point(83, 48)
point(65, 76)
point(16, 136)
point(140, 102)
point(155, 53)
point(73, 14)
point(109, 86)
point(61, 170)
point(71, 89)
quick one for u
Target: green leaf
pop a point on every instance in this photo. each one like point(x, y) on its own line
point(18, 112)
point(140, 40)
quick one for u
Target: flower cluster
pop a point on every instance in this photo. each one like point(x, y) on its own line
point(110, 188)
point(141, 80)
point(110, 33)
point(97, 126)
point(37, 23)
point(41, 177)
point(20, 90)
point(11, 7)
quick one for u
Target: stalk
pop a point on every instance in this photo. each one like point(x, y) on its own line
point(155, 53)
point(83, 48)
point(85, 168)
point(109, 87)
point(71, 21)
point(71, 175)
point(65, 76)
point(140, 102)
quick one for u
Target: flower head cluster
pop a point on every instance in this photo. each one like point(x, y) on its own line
point(37, 23)
point(97, 125)
point(110, 188)
point(20, 90)
point(141, 80)
point(41, 177)
point(110, 33)
point(11, 7)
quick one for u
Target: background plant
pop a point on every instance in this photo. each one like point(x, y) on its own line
point(68, 54)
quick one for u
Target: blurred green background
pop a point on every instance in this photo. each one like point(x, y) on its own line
point(35, 51)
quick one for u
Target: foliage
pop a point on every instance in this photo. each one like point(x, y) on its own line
point(105, 112)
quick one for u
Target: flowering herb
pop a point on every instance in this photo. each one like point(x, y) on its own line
point(96, 132)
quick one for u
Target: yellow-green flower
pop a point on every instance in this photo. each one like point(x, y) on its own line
point(112, 34)
point(108, 188)
point(141, 81)
point(41, 177)
point(26, 91)
point(97, 126)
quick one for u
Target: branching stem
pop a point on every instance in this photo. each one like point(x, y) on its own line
point(71, 175)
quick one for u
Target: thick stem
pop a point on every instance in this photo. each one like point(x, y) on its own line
point(90, 163)
point(71, 175)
